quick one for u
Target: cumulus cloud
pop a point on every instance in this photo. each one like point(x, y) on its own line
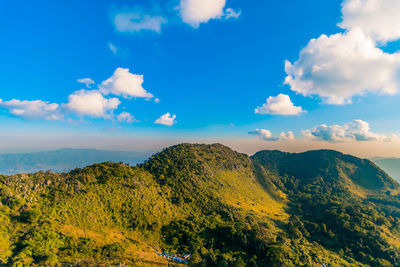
point(36, 109)
point(279, 105)
point(195, 12)
point(378, 18)
point(126, 117)
point(137, 20)
point(166, 120)
point(86, 81)
point(340, 66)
point(125, 84)
point(356, 130)
point(91, 103)
point(266, 135)
point(289, 136)
point(343, 65)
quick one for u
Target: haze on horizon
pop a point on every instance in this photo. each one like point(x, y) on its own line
point(144, 75)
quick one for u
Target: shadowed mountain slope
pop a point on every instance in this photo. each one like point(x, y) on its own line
point(331, 167)
point(344, 203)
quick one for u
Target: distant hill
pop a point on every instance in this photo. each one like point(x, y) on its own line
point(64, 159)
point(390, 165)
point(331, 168)
point(224, 208)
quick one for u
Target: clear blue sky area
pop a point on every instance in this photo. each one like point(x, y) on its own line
point(212, 77)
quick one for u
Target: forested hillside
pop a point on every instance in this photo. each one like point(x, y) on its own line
point(221, 207)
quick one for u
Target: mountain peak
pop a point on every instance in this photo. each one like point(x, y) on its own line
point(335, 167)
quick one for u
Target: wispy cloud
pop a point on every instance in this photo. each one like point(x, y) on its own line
point(126, 117)
point(86, 81)
point(136, 20)
point(113, 48)
point(230, 13)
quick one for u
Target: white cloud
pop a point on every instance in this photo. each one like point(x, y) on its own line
point(266, 135)
point(126, 117)
point(344, 65)
point(137, 20)
point(166, 119)
point(230, 13)
point(279, 105)
point(289, 136)
point(341, 66)
point(378, 18)
point(32, 110)
point(357, 130)
point(91, 103)
point(125, 84)
point(195, 12)
point(86, 81)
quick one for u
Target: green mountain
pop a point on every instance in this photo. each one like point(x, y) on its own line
point(328, 168)
point(63, 159)
point(222, 207)
point(390, 165)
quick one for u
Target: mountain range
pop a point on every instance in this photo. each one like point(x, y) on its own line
point(221, 207)
point(64, 159)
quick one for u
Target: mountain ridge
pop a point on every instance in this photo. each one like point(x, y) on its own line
point(63, 159)
point(222, 207)
point(329, 160)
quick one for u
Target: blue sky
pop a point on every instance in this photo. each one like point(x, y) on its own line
point(209, 71)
